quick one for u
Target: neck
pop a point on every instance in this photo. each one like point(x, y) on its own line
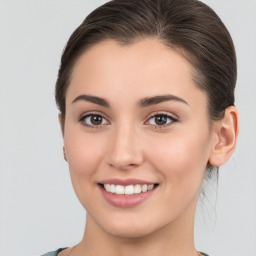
point(173, 239)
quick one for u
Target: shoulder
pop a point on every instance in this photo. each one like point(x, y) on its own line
point(54, 253)
point(204, 254)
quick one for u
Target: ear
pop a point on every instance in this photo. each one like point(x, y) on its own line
point(61, 122)
point(64, 154)
point(225, 137)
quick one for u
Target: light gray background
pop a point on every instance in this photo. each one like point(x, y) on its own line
point(38, 209)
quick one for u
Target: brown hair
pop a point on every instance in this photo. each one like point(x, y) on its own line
point(188, 26)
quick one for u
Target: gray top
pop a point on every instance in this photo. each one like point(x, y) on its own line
point(55, 253)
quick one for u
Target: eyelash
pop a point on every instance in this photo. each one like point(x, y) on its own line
point(90, 115)
point(106, 122)
point(165, 115)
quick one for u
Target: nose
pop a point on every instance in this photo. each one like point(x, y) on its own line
point(125, 150)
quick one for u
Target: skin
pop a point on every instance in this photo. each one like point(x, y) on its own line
point(130, 144)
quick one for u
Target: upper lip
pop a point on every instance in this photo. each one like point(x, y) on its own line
point(126, 182)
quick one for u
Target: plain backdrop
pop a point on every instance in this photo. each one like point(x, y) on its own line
point(39, 211)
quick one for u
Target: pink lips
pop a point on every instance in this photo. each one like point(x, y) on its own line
point(125, 201)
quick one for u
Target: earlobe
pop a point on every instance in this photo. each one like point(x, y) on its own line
point(225, 137)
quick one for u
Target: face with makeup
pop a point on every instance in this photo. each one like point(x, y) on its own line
point(137, 138)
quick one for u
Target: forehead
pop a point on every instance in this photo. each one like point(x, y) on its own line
point(145, 67)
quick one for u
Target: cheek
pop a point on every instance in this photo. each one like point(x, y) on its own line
point(181, 161)
point(181, 157)
point(82, 151)
point(84, 154)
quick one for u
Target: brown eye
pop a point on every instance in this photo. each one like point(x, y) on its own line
point(93, 120)
point(96, 120)
point(161, 120)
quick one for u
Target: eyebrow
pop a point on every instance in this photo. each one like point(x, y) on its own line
point(149, 101)
point(146, 102)
point(93, 99)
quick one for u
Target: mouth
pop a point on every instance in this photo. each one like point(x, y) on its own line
point(128, 190)
point(128, 193)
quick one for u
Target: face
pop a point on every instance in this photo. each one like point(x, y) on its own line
point(137, 137)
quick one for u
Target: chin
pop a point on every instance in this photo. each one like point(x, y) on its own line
point(135, 228)
point(131, 232)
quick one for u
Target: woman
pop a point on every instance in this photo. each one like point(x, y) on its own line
point(146, 98)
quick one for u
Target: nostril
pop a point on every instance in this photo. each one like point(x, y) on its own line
point(123, 167)
point(124, 153)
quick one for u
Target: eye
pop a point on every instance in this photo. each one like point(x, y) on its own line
point(93, 120)
point(161, 120)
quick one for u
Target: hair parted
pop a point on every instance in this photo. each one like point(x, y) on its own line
point(188, 26)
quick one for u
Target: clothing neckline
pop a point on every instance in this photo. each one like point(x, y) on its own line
point(62, 249)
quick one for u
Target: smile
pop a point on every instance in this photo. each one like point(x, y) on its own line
point(128, 193)
point(129, 189)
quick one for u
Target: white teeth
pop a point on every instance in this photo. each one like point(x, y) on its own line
point(107, 187)
point(137, 189)
point(112, 188)
point(119, 190)
point(150, 187)
point(144, 188)
point(128, 190)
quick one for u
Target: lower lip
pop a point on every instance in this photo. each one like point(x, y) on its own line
point(125, 201)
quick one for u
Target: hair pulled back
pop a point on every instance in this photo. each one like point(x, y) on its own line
point(188, 26)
